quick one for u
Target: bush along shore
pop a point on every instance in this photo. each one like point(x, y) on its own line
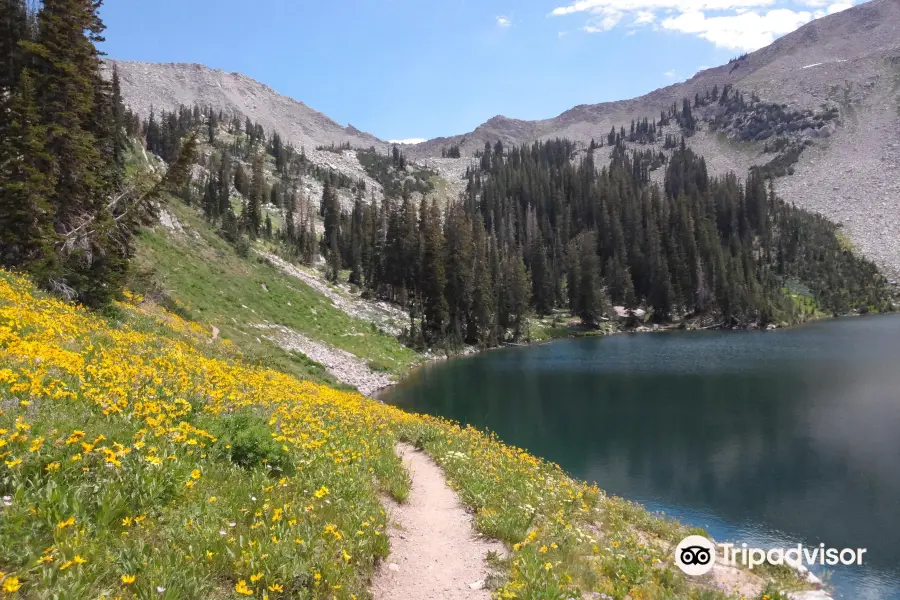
point(140, 459)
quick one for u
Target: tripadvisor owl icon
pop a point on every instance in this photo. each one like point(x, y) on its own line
point(695, 555)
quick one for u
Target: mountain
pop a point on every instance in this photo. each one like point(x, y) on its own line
point(850, 60)
point(148, 86)
point(845, 168)
point(847, 52)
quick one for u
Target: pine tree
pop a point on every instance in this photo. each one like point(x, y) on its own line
point(290, 208)
point(253, 216)
point(240, 181)
point(542, 282)
point(589, 294)
point(482, 324)
point(119, 139)
point(357, 240)
point(309, 249)
point(223, 189)
point(73, 103)
point(517, 293)
point(27, 237)
point(458, 261)
point(331, 210)
point(13, 29)
point(433, 277)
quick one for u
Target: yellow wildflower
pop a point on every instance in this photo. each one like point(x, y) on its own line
point(241, 588)
point(11, 585)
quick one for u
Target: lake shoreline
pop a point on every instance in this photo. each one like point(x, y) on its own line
point(578, 331)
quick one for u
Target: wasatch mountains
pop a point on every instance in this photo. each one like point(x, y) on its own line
point(830, 89)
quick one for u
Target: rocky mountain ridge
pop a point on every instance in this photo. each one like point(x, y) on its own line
point(846, 65)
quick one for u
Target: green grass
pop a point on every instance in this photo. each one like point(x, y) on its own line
point(200, 274)
point(558, 326)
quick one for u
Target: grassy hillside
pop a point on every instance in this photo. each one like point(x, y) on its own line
point(141, 459)
point(198, 274)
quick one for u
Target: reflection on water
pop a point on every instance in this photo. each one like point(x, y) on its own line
point(767, 437)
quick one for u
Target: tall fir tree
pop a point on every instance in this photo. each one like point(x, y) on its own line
point(433, 276)
point(92, 222)
point(331, 211)
point(27, 236)
point(458, 265)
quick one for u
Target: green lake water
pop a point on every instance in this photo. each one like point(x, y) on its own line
point(767, 438)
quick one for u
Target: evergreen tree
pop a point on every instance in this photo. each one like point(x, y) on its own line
point(482, 324)
point(542, 282)
point(252, 216)
point(331, 209)
point(223, 189)
point(27, 237)
point(71, 97)
point(458, 261)
point(584, 277)
point(517, 293)
point(240, 181)
point(357, 240)
point(13, 29)
point(433, 280)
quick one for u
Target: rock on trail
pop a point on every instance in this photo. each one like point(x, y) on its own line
point(435, 552)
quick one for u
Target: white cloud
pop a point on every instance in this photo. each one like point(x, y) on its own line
point(748, 31)
point(605, 23)
point(669, 74)
point(734, 24)
point(407, 141)
point(504, 22)
point(605, 6)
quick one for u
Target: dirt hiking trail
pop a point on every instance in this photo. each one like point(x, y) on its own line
point(435, 551)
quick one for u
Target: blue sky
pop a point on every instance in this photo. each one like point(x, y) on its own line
point(404, 69)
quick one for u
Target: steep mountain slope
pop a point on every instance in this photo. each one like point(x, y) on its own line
point(849, 61)
point(168, 86)
point(850, 50)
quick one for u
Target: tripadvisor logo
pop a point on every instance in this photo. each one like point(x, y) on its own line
point(696, 555)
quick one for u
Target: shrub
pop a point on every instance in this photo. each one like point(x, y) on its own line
point(246, 440)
